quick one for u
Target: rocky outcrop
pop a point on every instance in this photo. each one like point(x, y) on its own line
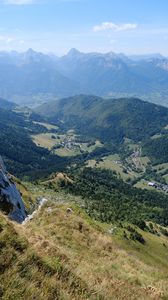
point(10, 199)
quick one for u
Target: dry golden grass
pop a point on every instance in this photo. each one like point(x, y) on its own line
point(32, 268)
point(44, 140)
point(57, 179)
point(46, 125)
point(61, 255)
point(109, 270)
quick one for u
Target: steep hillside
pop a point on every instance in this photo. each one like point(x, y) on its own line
point(109, 199)
point(21, 155)
point(60, 255)
point(11, 202)
point(157, 149)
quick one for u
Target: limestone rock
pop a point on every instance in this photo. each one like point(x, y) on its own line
point(10, 199)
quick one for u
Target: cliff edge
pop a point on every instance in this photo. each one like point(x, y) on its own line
point(10, 199)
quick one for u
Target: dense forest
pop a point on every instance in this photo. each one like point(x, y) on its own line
point(157, 149)
point(109, 199)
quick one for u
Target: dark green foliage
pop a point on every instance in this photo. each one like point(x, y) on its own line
point(157, 149)
point(53, 137)
point(136, 236)
point(109, 199)
point(152, 173)
point(141, 224)
point(21, 155)
point(164, 231)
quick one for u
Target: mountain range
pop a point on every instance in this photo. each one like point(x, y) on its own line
point(33, 77)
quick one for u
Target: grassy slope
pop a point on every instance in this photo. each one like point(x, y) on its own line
point(70, 256)
point(28, 197)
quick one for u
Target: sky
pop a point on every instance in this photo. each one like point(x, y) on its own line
point(56, 26)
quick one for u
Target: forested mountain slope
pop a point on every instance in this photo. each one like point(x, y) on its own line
point(107, 119)
point(21, 155)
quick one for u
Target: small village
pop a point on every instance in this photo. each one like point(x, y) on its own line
point(69, 143)
point(159, 186)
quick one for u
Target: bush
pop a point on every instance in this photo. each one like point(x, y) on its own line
point(136, 236)
point(141, 224)
point(164, 231)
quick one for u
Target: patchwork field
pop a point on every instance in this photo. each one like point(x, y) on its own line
point(64, 144)
point(43, 140)
point(46, 125)
point(113, 162)
point(130, 167)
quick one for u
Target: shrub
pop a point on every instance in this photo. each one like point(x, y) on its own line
point(141, 224)
point(164, 231)
point(136, 236)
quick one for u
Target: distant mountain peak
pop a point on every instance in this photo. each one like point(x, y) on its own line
point(30, 50)
point(74, 52)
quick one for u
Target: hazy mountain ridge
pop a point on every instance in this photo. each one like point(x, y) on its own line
point(38, 76)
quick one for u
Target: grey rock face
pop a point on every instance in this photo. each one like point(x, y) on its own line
point(10, 200)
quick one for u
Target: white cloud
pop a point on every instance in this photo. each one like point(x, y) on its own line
point(113, 26)
point(6, 39)
point(18, 2)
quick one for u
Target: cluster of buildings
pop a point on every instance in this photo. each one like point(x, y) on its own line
point(159, 186)
point(69, 143)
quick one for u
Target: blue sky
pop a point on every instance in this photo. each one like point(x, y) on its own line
point(128, 26)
